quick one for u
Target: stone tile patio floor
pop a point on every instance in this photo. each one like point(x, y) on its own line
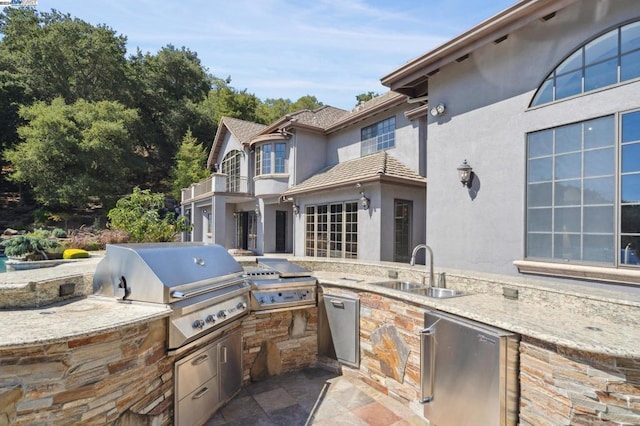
point(313, 397)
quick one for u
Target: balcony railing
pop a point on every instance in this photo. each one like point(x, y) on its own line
point(237, 185)
point(216, 183)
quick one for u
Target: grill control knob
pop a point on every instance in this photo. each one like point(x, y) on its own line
point(210, 319)
point(198, 324)
point(222, 314)
point(241, 305)
point(262, 300)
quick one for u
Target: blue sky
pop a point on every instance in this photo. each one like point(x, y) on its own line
point(331, 49)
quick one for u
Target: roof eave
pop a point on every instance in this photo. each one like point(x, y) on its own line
point(392, 102)
point(352, 182)
point(413, 74)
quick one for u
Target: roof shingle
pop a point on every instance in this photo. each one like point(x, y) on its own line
point(370, 167)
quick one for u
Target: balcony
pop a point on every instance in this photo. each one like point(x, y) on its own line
point(214, 184)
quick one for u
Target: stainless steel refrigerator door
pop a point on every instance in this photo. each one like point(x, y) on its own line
point(463, 365)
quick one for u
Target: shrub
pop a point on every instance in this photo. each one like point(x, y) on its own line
point(59, 233)
point(28, 244)
point(112, 236)
point(139, 216)
point(75, 254)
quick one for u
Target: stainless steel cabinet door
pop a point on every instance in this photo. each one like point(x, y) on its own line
point(230, 365)
point(343, 314)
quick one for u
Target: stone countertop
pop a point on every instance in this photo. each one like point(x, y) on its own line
point(73, 319)
point(594, 334)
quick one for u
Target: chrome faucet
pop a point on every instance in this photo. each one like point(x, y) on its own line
point(413, 260)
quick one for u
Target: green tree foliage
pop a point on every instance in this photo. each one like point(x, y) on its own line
point(61, 56)
point(189, 166)
point(167, 85)
point(140, 216)
point(273, 109)
point(364, 97)
point(73, 155)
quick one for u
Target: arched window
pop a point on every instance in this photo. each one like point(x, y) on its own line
point(610, 59)
point(231, 168)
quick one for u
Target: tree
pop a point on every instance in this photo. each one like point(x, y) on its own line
point(273, 109)
point(166, 87)
point(74, 155)
point(140, 215)
point(364, 97)
point(190, 164)
point(58, 55)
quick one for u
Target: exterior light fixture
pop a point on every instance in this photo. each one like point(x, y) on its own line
point(295, 208)
point(465, 173)
point(437, 110)
point(364, 201)
point(257, 210)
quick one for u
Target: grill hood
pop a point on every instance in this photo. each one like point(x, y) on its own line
point(152, 272)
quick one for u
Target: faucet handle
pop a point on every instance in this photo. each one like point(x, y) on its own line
point(442, 280)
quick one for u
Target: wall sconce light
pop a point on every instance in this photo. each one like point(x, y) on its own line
point(465, 173)
point(204, 211)
point(437, 110)
point(364, 201)
point(295, 208)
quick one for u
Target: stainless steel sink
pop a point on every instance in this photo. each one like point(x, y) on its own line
point(401, 285)
point(439, 293)
point(417, 288)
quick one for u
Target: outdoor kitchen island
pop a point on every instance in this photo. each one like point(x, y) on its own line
point(105, 362)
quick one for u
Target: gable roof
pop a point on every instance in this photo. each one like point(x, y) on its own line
point(412, 78)
point(380, 166)
point(242, 130)
point(327, 119)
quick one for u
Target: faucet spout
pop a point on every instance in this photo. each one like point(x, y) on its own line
point(413, 260)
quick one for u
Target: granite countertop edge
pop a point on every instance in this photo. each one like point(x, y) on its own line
point(74, 319)
point(567, 329)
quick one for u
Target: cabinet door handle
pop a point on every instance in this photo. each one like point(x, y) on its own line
point(200, 393)
point(427, 364)
point(337, 304)
point(200, 359)
point(223, 355)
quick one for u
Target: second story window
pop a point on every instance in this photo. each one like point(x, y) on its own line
point(271, 158)
point(378, 136)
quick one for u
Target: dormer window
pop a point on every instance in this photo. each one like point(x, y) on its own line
point(271, 158)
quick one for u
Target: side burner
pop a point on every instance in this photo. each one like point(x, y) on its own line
point(278, 284)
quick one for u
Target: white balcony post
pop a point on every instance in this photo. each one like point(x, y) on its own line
point(219, 182)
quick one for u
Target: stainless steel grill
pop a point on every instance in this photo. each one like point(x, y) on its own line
point(203, 284)
point(278, 284)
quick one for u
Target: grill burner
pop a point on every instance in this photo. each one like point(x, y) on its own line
point(278, 285)
point(203, 285)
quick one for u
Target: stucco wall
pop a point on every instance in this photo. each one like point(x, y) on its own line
point(483, 228)
point(345, 145)
point(309, 153)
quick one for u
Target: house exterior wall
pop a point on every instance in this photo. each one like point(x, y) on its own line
point(390, 193)
point(345, 145)
point(368, 220)
point(489, 130)
point(310, 155)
